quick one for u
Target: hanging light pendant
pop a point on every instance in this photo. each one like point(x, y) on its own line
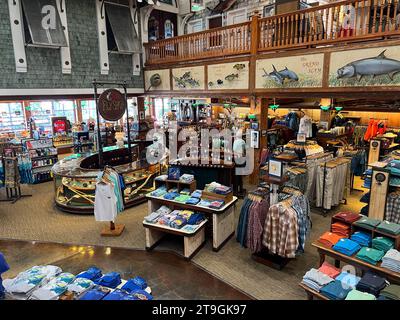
point(197, 5)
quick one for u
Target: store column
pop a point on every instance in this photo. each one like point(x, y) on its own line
point(78, 105)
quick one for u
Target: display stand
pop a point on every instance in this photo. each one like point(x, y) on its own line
point(378, 194)
point(115, 230)
point(374, 151)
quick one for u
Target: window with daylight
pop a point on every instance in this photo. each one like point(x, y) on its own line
point(12, 117)
point(161, 107)
point(41, 112)
point(64, 109)
point(42, 23)
point(121, 33)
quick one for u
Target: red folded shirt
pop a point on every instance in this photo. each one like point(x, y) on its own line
point(348, 217)
point(329, 270)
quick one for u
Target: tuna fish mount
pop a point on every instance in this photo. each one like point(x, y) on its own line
point(376, 66)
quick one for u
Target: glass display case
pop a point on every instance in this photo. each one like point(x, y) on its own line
point(75, 179)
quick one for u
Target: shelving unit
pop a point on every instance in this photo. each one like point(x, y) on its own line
point(43, 156)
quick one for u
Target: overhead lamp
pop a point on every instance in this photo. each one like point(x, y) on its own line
point(325, 108)
point(337, 108)
point(197, 5)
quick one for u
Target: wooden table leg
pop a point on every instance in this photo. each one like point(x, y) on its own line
point(337, 263)
point(192, 244)
point(321, 258)
point(309, 296)
point(152, 238)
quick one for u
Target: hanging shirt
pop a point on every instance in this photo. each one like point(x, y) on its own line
point(105, 204)
point(306, 126)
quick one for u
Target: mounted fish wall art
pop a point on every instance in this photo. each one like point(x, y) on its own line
point(290, 72)
point(191, 78)
point(157, 80)
point(365, 67)
point(228, 76)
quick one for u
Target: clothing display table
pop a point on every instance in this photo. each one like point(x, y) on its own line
point(192, 241)
point(352, 260)
point(223, 219)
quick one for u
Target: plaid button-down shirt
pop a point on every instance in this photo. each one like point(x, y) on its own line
point(281, 231)
point(393, 208)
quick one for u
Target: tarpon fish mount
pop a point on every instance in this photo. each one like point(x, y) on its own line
point(377, 66)
point(280, 76)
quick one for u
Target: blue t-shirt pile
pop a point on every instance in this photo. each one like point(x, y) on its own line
point(347, 247)
point(362, 238)
point(348, 280)
point(93, 273)
point(335, 290)
point(109, 280)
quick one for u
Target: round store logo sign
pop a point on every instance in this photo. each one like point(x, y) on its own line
point(112, 105)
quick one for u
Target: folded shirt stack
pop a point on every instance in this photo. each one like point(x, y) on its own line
point(137, 283)
point(362, 238)
point(382, 243)
point(391, 292)
point(154, 216)
point(110, 280)
point(182, 198)
point(348, 280)
point(185, 192)
point(80, 285)
point(196, 218)
point(178, 222)
point(197, 194)
point(371, 283)
point(218, 188)
point(22, 286)
point(335, 291)
point(341, 229)
point(204, 203)
point(359, 295)
point(192, 201)
point(216, 204)
point(367, 223)
point(389, 227)
point(166, 219)
point(93, 273)
point(97, 293)
point(329, 239)
point(54, 288)
point(188, 178)
point(329, 270)
point(159, 192)
point(316, 279)
point(391, 260)
point(171, 195)
point(347, 247)
point(348, 217)
point(370, 255)
point(394, 167)
point(116, 295)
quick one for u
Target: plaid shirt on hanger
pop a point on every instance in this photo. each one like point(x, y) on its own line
point(393, 208)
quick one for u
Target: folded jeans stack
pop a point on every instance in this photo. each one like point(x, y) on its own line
point(382, 243)
point(371, 283)
point(329, 239)
point(347, 247)
point(362, 238)
point(391, 260)
point(316, 279)
point(370, 255)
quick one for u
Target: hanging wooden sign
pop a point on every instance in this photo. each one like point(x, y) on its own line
point(112, 105)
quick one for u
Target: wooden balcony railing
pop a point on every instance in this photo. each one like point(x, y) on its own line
point(225, 41)
point(336, 22)
point(343, 21)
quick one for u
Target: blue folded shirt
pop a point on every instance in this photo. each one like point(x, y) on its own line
point(138, 295)
point(193, 201)
point(196, 218)
point(110, 280)
point(93, 273)
point(94, 294)
point(347, 247)
point(116, 295)
point(348, 280)
point(137, 283)
point(362, 238)
point(335, 290)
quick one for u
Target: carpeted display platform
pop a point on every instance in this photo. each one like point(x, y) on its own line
point(36, 218)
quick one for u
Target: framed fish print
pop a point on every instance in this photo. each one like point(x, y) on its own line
point(255, 139)
point(275, 168)
point(269, 11)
